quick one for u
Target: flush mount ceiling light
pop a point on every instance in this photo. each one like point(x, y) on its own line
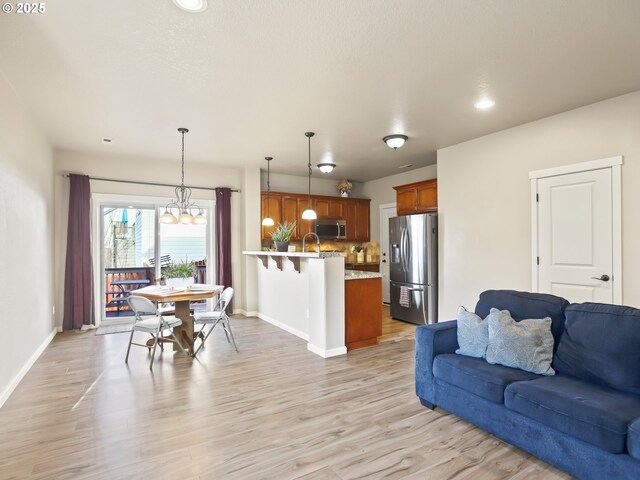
point(326, 167)
point(395, 141)
point(268, 221)
point(183, 202)
point(484, 103)
point(309, 214)
point(192, 6)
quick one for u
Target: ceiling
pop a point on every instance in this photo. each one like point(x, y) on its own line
point(248, 78)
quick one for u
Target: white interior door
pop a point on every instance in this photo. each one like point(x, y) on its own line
point(386, 212)
point(575, 236)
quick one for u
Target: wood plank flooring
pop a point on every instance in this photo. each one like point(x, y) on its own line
point(271, 411)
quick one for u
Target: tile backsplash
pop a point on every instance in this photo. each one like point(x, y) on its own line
point(371, 249)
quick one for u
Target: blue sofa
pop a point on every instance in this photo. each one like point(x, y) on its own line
point(585, 420)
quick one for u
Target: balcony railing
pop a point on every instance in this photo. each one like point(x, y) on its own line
point(119, 282)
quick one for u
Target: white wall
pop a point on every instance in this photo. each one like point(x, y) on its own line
point(319, 185)
point(26, 240)
point(146, 169)
point(381, 191)
point(484, 197)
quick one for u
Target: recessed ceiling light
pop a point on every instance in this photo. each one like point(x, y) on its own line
point(484, 104)
point(395, 141)
point(192, 6)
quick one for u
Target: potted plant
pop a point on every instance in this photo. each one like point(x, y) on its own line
point(180, 274)
point(282, 235)
point(344, 187)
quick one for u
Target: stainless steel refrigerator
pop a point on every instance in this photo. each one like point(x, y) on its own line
point(414, 268)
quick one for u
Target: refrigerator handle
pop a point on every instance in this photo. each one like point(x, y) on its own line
point(406, 245)
point(402, 249)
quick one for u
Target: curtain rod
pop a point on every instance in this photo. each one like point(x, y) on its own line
point(136, 182)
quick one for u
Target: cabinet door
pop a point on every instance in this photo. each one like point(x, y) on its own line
point(335, 208)
point(406, 200)
point(273, 208)
point(427, 196)
point(362, 221)
point(304, 226)
point(290, 214)
point(350, 215)
point(321, 207)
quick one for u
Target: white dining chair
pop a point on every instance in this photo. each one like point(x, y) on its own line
point(150, 320)
point(217, 316)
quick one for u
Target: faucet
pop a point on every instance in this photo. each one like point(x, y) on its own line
point(304, 239)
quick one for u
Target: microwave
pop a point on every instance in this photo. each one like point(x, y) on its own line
point(331, 228)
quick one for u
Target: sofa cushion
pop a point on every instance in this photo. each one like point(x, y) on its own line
point(477, 376)
point(527, 344)
point(524, 305)
point(633, 439)
point(473, 333)
point(601, 344)
point(592, 413)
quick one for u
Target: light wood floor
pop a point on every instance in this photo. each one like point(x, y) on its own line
point(272, 411)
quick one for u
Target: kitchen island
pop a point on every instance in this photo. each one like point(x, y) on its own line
point(363, 308)
point(303, 293)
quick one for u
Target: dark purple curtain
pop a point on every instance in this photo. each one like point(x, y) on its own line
point(78, 281)
point(223, 238)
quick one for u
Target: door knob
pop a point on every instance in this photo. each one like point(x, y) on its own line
point(604, 278)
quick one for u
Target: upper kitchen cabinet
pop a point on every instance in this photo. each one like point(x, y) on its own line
point(419, 197)
point(328, 207)
point(289, 207)
point(274, 209)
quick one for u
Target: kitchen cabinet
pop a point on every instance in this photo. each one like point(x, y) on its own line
point(274, 209)
point(290, 214)
point(362, 312)
point(419, 197)
point(289, 207)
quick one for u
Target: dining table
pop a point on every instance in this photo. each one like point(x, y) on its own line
point(181, 298)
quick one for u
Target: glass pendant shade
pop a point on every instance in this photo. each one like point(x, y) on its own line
point(268, 222)
point(326, 167)
point(200, 219)
point(309, 214)
point(185, 218)
point(168, 217)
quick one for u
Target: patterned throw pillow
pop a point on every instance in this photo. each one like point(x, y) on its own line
point(473, 334)
point(527, 344)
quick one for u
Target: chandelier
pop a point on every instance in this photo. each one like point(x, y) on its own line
point(182, 203)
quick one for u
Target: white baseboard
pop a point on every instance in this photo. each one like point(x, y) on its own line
point(283, 326)
point(332, 352)
point(246, 313)
point(4, 396)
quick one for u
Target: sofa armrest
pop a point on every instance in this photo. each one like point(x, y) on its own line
point(432, 340)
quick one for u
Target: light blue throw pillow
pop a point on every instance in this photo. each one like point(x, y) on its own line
point(527, 344)
point(473, 334)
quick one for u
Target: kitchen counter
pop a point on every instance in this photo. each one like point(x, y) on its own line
point(360, 275)
point(297, 254)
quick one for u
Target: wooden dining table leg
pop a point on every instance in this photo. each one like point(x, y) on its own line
point(184, 332)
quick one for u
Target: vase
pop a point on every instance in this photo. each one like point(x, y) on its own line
point(180, 282)
point(360, 257)
point(344, 194)
point(281, 246)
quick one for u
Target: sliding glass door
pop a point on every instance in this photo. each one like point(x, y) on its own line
point(135, 249)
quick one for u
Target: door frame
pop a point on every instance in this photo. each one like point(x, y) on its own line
point(381, 208)
point(615, 165)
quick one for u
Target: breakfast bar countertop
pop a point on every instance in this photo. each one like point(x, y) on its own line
point(360, 275)
point(297, 254)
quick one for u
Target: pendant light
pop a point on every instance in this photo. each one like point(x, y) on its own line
point(268, 221)
point(183, 202)
point(309, 214)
